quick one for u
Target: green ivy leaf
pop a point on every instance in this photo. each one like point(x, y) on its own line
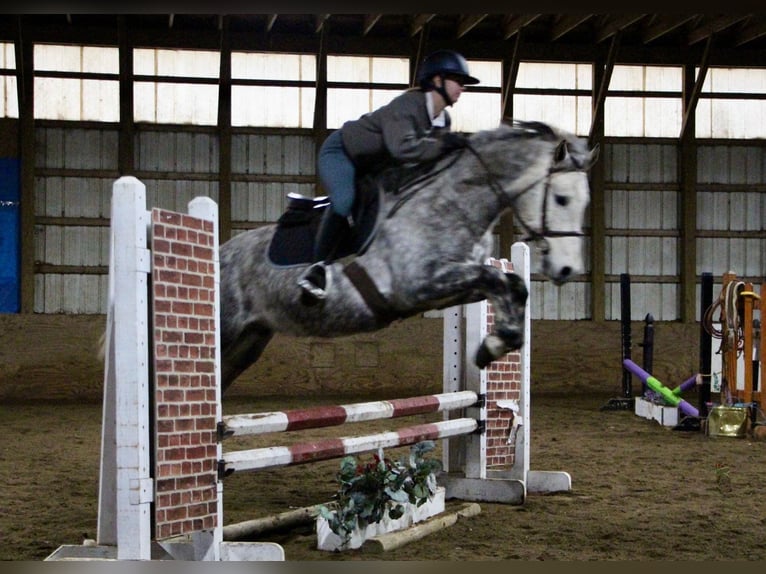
point(367, 491)
point(396, 512)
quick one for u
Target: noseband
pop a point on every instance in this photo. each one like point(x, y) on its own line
point(531, 234)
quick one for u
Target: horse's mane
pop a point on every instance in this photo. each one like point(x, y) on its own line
point(513, 129)
point(406, 181)
point(529, 128)
point(510, 129)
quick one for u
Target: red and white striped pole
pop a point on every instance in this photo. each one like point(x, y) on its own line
point(274, 456)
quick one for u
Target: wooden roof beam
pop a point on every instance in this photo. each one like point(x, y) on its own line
point(691, 102)
point(512, 71)
point(514, 24)
point(320, 20)
point(752, 30)
point(598, 104)
point(718, 24)
point(418, 22)
point(468, 22)
point(566, 24)
point(615, 24)
point(369, 22)
point(664, 25)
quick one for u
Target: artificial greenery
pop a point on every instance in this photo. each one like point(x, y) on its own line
point(369, 491)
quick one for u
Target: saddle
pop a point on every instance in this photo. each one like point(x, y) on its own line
point(293, 240)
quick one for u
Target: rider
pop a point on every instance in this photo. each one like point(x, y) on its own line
point(413, 127)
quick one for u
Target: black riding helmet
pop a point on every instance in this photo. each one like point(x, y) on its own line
point(444, 63)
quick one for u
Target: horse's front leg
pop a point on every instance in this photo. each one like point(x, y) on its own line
point(508, 330)
point(505, 291)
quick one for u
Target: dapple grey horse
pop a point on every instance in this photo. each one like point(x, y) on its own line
point(429, 252)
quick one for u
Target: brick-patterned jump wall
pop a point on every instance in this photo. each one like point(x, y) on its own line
point(183, 289)
point(503, 383)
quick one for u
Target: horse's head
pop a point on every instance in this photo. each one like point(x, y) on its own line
point(565, 196)
point(550, 194)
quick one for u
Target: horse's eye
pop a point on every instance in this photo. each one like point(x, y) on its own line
point(562, 200)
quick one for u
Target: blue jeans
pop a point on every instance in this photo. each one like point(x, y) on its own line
point(337, 174)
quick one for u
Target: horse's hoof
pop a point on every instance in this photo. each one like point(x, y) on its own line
point(515, 342)
point(513, 338)
point(483, 357)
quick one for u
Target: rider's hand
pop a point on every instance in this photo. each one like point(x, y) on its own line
point(454, 140)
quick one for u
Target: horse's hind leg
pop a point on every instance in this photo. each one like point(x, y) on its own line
point(239, 354)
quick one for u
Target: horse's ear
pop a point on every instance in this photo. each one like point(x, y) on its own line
point(584, 161)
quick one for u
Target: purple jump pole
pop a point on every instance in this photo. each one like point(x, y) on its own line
point(686, 385)
point(688, 409)
point(654, 384)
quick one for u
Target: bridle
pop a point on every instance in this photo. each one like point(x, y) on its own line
point(531, 234)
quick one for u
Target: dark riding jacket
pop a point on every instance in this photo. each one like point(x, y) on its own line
point(401, 130)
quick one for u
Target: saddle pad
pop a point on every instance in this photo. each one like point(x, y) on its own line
point(293, 240)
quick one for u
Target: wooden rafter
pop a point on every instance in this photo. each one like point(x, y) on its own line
point(567, 23)
point(752, 30)
point(512, 74)
point(612, 25)
point(320, 20)
point(718, 24)
point(468, 22)
point(418, 21)
point(691, 103)
point(418, 59)
point(369, 22)
point(514, 24)
point(598, 104)
point(662, 25)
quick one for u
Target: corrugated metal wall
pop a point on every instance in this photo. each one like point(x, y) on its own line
point(72, 200)
point(732, 216)
point(275, 156)
point(76, 167)
point(642, 220)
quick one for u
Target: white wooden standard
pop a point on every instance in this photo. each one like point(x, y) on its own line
point(469, 453)
point(126, 485)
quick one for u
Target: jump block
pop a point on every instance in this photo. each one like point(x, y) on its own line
point(663, 414)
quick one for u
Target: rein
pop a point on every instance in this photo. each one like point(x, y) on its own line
point(532, 234)
point(416, 185)
point(366, 287)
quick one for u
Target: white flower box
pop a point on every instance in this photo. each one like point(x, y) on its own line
point(328, 540)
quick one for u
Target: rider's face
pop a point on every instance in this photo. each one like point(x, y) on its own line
point(454, 88)
point(453, 85)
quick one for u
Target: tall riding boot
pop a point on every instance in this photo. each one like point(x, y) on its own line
point(332, 229)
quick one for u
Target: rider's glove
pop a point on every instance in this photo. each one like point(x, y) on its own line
point(454, 140)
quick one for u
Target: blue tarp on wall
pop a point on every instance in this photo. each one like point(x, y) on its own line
point(9, 236)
